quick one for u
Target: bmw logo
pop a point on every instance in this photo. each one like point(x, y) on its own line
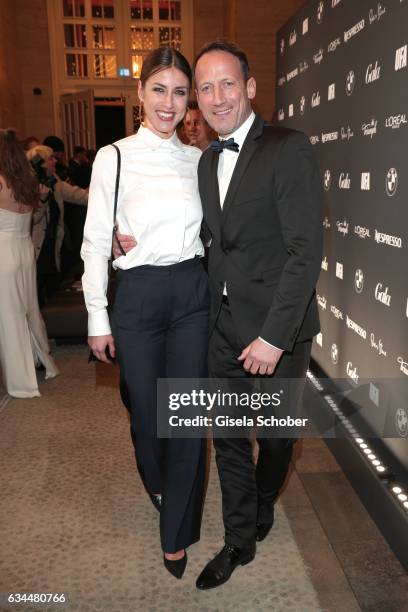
point(350, 82)
point(391, 182)
point(359, 281)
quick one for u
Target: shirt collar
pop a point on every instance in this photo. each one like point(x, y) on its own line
point(242, 132)
point(151, 140)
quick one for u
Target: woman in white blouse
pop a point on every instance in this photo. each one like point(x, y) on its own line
point(160, 315)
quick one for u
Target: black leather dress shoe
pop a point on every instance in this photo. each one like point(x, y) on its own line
point(219, 570)
point(156, 501)
point(262, 529)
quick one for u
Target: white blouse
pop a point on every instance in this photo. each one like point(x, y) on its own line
point(158, 204)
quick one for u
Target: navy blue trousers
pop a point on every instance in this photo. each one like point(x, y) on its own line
point(160, 326)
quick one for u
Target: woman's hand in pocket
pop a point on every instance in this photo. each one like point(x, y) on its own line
point(126, 241)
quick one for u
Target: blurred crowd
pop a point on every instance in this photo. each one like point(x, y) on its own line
point(58, 223)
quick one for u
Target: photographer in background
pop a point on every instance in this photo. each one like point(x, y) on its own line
point(48, 220)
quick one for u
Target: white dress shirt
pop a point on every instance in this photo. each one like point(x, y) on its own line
point(158, 204)
point(228, 158)
point(226, 166)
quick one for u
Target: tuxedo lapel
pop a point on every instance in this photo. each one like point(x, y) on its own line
point(248, 149)
point(211, 203)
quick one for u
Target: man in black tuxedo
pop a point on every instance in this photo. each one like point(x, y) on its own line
point(261, 194)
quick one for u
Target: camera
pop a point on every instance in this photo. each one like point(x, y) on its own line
point(37, 164)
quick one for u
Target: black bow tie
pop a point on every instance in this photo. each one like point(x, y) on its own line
point(219, 145)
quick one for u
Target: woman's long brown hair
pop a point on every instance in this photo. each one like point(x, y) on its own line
point(16, 169)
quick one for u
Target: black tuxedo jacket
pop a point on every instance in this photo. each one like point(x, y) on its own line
point(266, 242)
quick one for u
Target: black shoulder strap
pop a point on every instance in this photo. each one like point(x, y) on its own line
point(115, 204)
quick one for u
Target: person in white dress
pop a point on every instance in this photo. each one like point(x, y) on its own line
point(23, 337)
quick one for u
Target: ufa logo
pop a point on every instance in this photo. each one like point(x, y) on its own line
point(327, 180)
point(350, 82)
point(391, 182)
point(359, 281)
point(320, 11)
point(401, 58)
point(365, 181)
point(334, 353)
point(302, 105)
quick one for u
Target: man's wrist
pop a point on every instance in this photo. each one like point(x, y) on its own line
point(269, 344)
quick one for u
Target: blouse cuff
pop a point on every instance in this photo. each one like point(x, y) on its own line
point(98, 323)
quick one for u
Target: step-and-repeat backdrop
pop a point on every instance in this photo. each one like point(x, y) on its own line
point(343, 80)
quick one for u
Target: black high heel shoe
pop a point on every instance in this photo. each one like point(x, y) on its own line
point(156, 501)
point(176, 568)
